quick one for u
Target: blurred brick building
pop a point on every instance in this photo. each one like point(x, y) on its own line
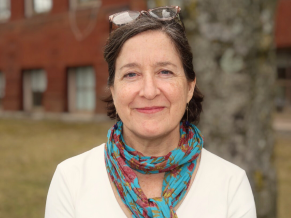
point(51, 54)
point(283, 46)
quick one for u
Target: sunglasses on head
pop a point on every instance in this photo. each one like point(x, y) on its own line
point(166, 13)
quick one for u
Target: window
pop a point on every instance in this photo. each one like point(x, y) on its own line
point(4, 9)
point(280, 98)
point(284, 73)
point(283, 89)
point(281, 73)
point(2, 87)
point(41, 6)
point(38, 86)
point(81, 89)
point(84, 3)
point(37, 7)
point(34, 86)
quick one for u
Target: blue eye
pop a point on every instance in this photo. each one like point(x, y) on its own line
point(166, 72)
point(130, 75)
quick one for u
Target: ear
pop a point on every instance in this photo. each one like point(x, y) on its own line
point(112, 92)
point(191, 87)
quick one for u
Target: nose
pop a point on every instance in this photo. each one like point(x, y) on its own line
point(149, 88)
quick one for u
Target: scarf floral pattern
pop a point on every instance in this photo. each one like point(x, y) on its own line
point(178, 165)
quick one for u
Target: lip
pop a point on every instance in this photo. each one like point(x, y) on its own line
point(150, 110)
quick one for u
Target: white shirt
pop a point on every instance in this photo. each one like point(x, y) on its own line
point(80, 188)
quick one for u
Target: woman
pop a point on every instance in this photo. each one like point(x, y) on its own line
point(154, 163)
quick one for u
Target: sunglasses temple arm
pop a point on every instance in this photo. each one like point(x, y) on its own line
point(110, 27)
point(181, 19)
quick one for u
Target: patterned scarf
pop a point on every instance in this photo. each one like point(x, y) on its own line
point(178, 164)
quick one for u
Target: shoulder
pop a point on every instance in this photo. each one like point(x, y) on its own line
point(221, 186)
point(221, 176)
point(82, 162)
point(80, 170)
point(228, 183)
point(81, 176)
point(219, 165)
point(78, 159)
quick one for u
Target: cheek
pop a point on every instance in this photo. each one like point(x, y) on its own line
point(123, 95)
point(177, 93)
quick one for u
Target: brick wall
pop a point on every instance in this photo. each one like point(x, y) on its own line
point(283, 27)
point(48, 41)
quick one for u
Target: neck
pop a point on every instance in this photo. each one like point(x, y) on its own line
point(156, 146)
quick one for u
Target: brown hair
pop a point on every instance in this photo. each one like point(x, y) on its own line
point(177, 34)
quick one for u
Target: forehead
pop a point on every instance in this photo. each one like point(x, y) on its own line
point(150, 46)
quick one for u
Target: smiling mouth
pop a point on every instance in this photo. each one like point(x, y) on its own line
point(150, 110)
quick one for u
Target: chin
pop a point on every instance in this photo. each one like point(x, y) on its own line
point(152, 128)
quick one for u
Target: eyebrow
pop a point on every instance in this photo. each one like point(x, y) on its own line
point(164, 63)
point(158, 64)
point(129, 65)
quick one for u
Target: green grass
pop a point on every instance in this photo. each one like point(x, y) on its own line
point(30, 151)
point(29, 154)
point(283, 167)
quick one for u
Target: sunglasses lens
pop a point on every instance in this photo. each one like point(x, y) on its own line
point(163, 13)
point(125, 17)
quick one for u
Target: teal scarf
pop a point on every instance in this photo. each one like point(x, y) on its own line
point(178, 164)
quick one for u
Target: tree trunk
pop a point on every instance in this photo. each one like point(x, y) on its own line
point(234, 60)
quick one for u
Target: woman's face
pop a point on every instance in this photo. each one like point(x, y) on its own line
point(150, 90)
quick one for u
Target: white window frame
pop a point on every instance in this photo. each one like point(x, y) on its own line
point(75, 4)
point(72, 91)
point(8, 8)
point(28, 89)
point(29, 8)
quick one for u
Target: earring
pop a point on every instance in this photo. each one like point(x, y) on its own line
point(115, 125)
point(187, 109)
